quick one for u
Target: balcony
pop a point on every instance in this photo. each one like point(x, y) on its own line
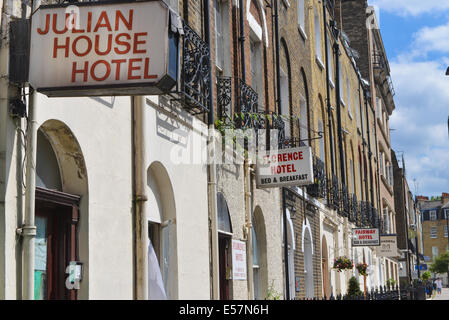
point(195, 76)
point(318, 188)
point(353, 209)
point(333, 196)
point(224, 98)
point(344, 206)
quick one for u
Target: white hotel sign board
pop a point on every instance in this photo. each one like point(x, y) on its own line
point(388, 246)
point(238, 260)
point(284, 167)
point(99, 46)
point(363, 237)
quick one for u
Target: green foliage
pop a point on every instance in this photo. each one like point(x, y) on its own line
point(272, 294)
point(354, 287)
point(391, 282)
point(426, 275)
point(440, 264)
point(343, 263)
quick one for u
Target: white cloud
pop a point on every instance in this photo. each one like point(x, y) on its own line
point(411, 7)
point(432, 39)
point(420, 122)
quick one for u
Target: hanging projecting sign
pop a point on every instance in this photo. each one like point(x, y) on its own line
point(362, 237)
point(93, 48)
point(388, 246)
point(285, 167)
point(238, 260)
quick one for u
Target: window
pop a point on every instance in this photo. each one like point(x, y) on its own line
point(322, 151)
point(351, 165)
point(386, 219)
point(219, 54)
point(357, 116)
point(379, 107)
point(433, 215)
point(433, 232)
point(318, 40)
point(301, 17)
point(340, 80)
point(303, 121)
point(446, 213)
point(329, 62)
point(434, 252)
point(381, 163)
point(285, 103)
point(348, 94)
point(256, 70)
point(445, 231)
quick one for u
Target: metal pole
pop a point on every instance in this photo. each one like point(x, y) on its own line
point(287, 276)
point(29, 229)
point(339, 125)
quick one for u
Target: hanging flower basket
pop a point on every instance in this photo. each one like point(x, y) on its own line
point(343, 263)
point(362, 268)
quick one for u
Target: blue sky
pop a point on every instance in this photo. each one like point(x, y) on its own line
point(416, 38)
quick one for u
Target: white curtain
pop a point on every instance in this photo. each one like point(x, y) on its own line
point(156, 289)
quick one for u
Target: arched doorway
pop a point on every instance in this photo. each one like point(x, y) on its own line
point(308, 259)
point(162, 232)
point(325, 271)
point(224, 247)
point(259, 243)
point(61, 196)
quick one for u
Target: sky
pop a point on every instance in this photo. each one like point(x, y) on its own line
point(416, 37)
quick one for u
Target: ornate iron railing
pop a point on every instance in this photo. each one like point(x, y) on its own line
point(344, 201)
point(224, 98)
point(195, 84)
point(318, 188)
point(353, 209)
point(333, 196)
point(379, 61)
point(247, 100)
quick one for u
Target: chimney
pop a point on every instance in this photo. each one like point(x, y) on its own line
point(444, 198)
point(422, 198)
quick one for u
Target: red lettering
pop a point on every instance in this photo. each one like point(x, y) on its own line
point(89, 21)
point(65, 46)
point(105, 24)
point(122, 43)
point(47, 25)
point(132, 68)
point(83, 71)
point(147, 74)
point(75, 47)
point(117, 71)
point(97, 45)
point(300, 155)
point(107, 73)
point(55, 22)
point(137, 42)
point(128, 23)
point(74, 30)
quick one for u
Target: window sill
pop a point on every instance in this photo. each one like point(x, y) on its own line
point(319, 62)
point(302, 32)
point(331, 83)
point(287, 3)
point(342, 102)
point(350, 115)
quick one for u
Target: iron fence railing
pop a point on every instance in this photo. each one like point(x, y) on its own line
point(318, 188)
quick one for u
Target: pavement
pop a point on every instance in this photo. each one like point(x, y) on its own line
point(443, 296)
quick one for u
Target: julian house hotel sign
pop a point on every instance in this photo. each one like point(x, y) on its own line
point(95, 48)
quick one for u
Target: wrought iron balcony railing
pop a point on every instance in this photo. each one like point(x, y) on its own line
point(344, 201)
point(318, 188)
point(353, 209)
point(224, 98)
point(333, 196)
point(379, 61)
point(195, 83)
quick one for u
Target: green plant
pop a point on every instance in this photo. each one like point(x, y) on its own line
point(362, 268)
point(426, 275)
point(343, 263)
point(272, 294)
point(353, 287)
point(391, 282)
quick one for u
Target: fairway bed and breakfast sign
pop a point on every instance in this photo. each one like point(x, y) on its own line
point(362, 237)
point(284, 167)
point(95, 48)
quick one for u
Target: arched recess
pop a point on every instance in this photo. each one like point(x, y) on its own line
point(258, 4)
point(224, 247)
point(305, 114)
point(325, 270)
point(162, 226)
point(62, 198)
point(291, 247)
point(260, 265)
point(286, 89)
point(307, 248)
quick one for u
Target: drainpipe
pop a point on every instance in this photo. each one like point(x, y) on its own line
point(141, 224)
point(329, 110)
point(212, 173)
point(242, 41)
point(29, 228)
point(248, 229)
point(339, 126)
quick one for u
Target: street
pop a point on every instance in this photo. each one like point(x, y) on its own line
point(443, 296)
